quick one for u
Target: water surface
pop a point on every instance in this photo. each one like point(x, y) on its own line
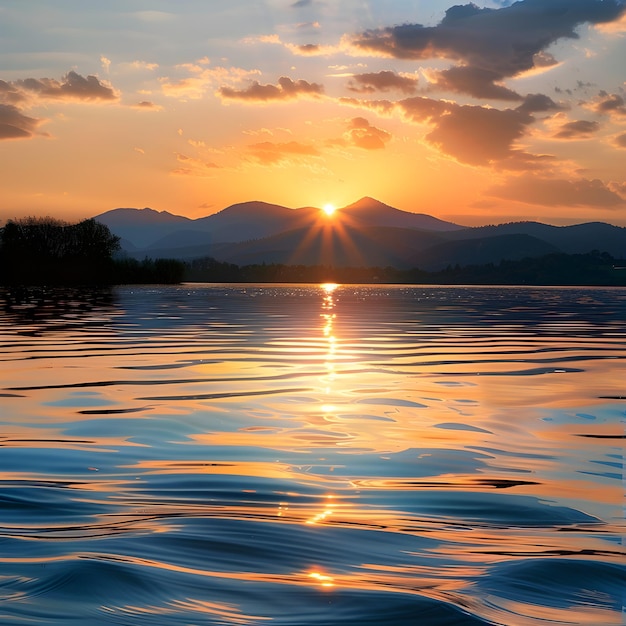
point(312, 455)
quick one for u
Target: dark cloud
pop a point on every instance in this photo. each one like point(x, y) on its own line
point(421, 109)
point(286, 89)
point(477, 135)
point(620, 140)
point(363, 135)
point(558, 192)
point(309, 48)
point(72, 87)
point(611, 103)
point(302, 3)
point(146, 105)
point(544, 59)
point(382, 81)
point(490, 44)
point(538, 103)
point(14, 124)
point(472, 134)
point(476, 82)
point(580, 129)
point(270, 153)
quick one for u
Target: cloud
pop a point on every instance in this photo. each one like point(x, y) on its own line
point(489, 45)
point(9, 94)
point(15, 125)
point(362, 134)
point(580, 129)
point(618, 188)
point(558, 192)
point(270, 153)
point(474, 81)
point(620, 140)
point(146, 105)
point(286, 89)
point(382, 81)
point(478, 135)
point(138, 66)
point(195, 86)
point(613, 104)
point(72, 87)
point(303, 50)
point(538, 103)
point(106, 63)
point(471, 134)
point(192, 166)
point(302, 3)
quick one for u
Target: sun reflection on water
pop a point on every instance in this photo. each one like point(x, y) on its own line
point(328, 304)
point(322, 579)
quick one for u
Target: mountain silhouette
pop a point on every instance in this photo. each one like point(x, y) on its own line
point(365, 233)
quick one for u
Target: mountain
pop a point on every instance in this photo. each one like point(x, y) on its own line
point(142, 227)
point(365, 233)
point(374, 213)
point(579, 238)
point(154, 231)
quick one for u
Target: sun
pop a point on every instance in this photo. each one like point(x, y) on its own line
point(329, 209)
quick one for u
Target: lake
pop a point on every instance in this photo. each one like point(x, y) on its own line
point(312, 455)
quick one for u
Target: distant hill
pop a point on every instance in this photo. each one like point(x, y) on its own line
point(365, 233)
point(149, 229)
point(576, 239)
point(374, 213)
point(141, 227)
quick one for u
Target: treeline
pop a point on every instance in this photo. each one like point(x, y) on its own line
point(47, 251)
point(594, 268)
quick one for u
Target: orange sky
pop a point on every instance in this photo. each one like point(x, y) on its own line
point(477, 113)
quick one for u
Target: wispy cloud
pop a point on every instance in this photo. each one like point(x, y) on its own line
point(15, 125)
point(383, 81)
point(558, 192)
point(287, 89)
point(620, 140)
point(580, 129)
point(201, 80)
point(271, 153)
point(193, 166)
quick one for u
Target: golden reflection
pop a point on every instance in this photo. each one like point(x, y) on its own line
point(322, 579)
point(229, 613)
point(325, 514)
point(329, 316)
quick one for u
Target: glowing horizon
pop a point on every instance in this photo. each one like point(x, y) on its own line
point(329, 209)
point(296, 103)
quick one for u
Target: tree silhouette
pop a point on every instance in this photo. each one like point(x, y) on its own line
point(44, 250)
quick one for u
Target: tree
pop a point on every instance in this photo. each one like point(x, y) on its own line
point(44, 250)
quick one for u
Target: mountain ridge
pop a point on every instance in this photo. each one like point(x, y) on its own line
point(364, 233)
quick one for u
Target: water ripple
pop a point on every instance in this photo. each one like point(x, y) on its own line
point(312, 455)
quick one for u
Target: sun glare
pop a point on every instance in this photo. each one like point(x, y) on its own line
point(329, 209)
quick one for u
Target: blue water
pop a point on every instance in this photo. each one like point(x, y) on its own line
point(312, 455)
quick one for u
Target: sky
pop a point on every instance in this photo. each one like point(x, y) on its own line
point(479, 113)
